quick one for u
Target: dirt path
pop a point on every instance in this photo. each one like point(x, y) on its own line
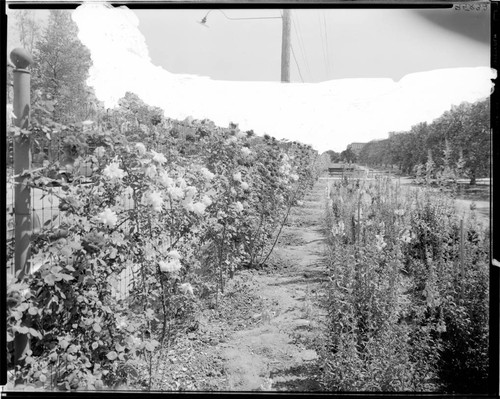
point(277, 352)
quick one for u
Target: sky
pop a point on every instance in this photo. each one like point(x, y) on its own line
point(328, 44)
point(366, 72)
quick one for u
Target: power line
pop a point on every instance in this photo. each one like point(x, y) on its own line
point(296, 27)
point(296, 63)
point(323, 45)
point(327, 46)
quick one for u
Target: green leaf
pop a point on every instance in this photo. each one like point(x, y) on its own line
point(35, 333)
point(50, 279)
point(66, 277)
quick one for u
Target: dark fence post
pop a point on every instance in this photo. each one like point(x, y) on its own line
point(22, 162)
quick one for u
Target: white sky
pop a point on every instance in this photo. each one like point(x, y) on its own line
point(328, 114)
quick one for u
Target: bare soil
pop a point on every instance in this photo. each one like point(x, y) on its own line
point(263, 336)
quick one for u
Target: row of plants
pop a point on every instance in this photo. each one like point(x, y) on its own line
point(408, 291)
point(180, 205)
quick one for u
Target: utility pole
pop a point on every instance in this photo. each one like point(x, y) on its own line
point(285, 39)
point(285, 47)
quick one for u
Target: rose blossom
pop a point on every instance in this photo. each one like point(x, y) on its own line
point(108, 217)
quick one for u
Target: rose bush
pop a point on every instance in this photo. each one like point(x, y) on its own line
point(178, 206)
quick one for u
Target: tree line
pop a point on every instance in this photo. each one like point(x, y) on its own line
point(457, 143)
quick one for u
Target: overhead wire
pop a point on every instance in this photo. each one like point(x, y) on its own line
point(296, 63)
point(327, 46)
point(323, 44)
point(296, 27)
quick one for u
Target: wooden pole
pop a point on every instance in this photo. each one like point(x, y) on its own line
point(285, 47)
point(22, 193)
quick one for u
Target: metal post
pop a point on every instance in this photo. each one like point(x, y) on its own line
point(285, 47)
point(22, 162)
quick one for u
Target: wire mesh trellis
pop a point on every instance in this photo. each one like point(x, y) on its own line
point(45, 212)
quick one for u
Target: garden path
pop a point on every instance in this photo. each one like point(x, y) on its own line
point(273, 348)
point(278, 353)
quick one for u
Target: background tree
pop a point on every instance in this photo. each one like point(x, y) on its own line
point(334, 156)
point(474, 138)
point(29, 28)
point(348, 156)
point(61, 69)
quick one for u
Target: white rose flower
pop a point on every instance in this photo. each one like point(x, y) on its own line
point(172, 266)
point(113, 171)
point(186, 288)
point(165, 180)
point(174, 254)
point(154, 199)
point(206, 200)
point(141, 148)
point(244, 185)
point(108, 217)
point(158, 157)
point(199, 208)
point(238, 206)
point(207, 174)
point(246, 151)
point(233, 191)
point(237, 176)
point(150, 171)
point(191, 191)
point(294, 177)
point(176, 193)
point(188, 205)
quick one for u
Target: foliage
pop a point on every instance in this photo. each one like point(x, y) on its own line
point(29, 28)
point(180, 206)
point(60, 69)
point(407, 311)
point(348, 156)
point(459, 141)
